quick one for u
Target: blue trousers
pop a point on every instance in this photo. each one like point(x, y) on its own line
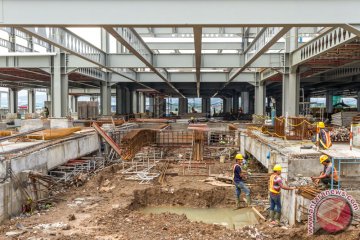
point(241, 186)
point(275, 202)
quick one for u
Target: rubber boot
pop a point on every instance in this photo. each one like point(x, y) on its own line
point(272, 216)
point(278, 217)
point(248, 200)
point(237, 204)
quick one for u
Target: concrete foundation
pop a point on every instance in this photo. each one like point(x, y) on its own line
point(11, 197)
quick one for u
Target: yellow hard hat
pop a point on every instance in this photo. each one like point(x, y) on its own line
point(321, 125)
point(323, 158)
point(239, 156)
point(192, 118)
point(277, 167)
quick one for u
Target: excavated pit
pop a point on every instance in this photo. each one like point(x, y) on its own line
point(207, 206)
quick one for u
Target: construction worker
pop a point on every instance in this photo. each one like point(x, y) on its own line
point(323, 136)
point(328, 172)
point(275, 186)
point(192, 120)
point(238, 178)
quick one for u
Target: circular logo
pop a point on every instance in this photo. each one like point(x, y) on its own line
point(334, 214)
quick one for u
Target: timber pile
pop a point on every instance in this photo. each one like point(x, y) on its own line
point(356, 119)
point(5, 133)
point(343, 118)
point(198, 145)
point(341, 134)
point(135, 140)
point(308, 192)
point(232, 127)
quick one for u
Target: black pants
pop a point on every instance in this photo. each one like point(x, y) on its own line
point(327, 181)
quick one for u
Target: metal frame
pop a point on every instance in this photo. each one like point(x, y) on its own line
point(340, 161)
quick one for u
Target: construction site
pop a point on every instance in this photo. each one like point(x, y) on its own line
point(185, 120)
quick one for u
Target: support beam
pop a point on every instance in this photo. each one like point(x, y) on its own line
point(134, 43)
point(178, 13)
point(260, 99)
point(358, 101)
point(197, 45)
point(291, 98)
point(263, 41)
point(105, 99)
point(183, 106)
point(205, 105)
point(236, 102)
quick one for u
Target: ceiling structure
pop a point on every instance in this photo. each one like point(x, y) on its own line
point(176, 52)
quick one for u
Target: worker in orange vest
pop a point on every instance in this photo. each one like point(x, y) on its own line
point(328, 172)
point(275, 186)
point(238, 178)
point(323, 136)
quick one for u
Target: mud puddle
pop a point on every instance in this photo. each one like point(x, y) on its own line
point(227, 217)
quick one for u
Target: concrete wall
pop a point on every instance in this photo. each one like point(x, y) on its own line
point(11, 197)
point(294, 207)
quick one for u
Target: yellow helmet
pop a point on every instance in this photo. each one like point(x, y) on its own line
point(239, 156)
point(323, 158)
point(321, 125)
point(277, 167)
point(192, 118)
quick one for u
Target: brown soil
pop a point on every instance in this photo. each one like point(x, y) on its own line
point(106, 207)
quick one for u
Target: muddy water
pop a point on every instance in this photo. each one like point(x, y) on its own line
point(221, 216)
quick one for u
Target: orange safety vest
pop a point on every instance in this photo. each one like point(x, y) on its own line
point(271, 184)
point(328, 143)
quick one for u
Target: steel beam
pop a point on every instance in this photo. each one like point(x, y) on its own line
point(177, 12)
point(197, 45)
point(353, 28)
point(134, 43)
point(264, 40)
point(329, 40)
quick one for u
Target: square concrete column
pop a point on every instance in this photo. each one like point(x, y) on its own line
point(31, 100)
point(105, 98)
point(183, 106)
point(205, 105)
point(291, 92)
point(134, 101)
point(141, 102)
point(73, 103)
point(245, 102)
point(227, 104)
point(59, 85)
point(235, 102)
point(329, 102)
point(13, 100)
point(358, 101)
point(259, 99)
point(121, 100)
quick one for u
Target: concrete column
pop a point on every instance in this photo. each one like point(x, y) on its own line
point(59, 86)
point(134, 101)
point(137, 105)
point(183, 106)
point(227, 104)
point(260, 99)
point(152, 105)
point(205, 105)
point(358, 101)
point(285, 93)
point(13, 100)
point(121, 100)
point(31, 100)
point(141, 102)
point(245, 102)
point(73, 103)
point(291, 98)
point(329, 102)
point(236, 102)
point(105, 98)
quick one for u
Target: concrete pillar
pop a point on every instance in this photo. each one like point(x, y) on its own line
point(59, 86)
point(121, 100)
point(205, 105)
point(133, 102)
point(183, 106)
point(235, 102)
point(137, 105)
point(358, 101)
point(73, 103)
point(329, 102)
point(227, 104)
point(105, 98)
point(245, 102)
point(141, 102)
point(291, 97)
point(260, 99)
point(31, 100)
point(13, 100)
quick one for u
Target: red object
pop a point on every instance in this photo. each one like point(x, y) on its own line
point(334, 214)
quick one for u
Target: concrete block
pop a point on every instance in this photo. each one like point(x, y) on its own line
point(31, 124)
point(60, 123)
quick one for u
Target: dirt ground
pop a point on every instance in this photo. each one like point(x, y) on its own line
point(106, 207)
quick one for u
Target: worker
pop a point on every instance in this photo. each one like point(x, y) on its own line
point(275, 186)
point(323, 136)
point(46, 112)
point(328, 172)
point(238, 177)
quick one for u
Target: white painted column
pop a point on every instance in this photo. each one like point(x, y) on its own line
point(259, 99)
point(59, 86)
point(31, 100)
point(13, 100)
point(245, 101)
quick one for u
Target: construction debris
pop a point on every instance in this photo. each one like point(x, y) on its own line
point(343, 118)
point(340, 134)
